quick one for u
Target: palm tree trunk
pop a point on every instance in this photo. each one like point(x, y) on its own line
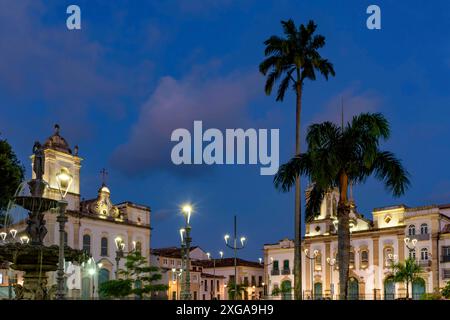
point(343, 237)
point(298, 214)
point(407, 289)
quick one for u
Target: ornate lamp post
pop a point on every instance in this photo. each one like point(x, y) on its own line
point(4, 239)
point(186, 245)
point(311, 258)
point(64, 180)
point(235, 248)
point(120, 253)
point(411, 245)
point(331, 262)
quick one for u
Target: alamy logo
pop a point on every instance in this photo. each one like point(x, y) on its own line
point(208, 147)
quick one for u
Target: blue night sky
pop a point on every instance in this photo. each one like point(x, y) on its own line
point(138, 70)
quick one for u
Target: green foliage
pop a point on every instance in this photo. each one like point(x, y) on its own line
point(276, 291)
point(407, 272)
point(353, 152)
point(431, 296)
point(294, 58)
point(446, 291)
point(237, 294)
point(11, 175)
point(139, 279)
point(115, 288)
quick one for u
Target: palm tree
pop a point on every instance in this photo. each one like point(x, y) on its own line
point(339, 156)
point(407, 272)
point(294, 59)
point(240, 291)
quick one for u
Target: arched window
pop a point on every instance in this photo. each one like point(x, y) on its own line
point(87, 244)
point(423, 228)
point(318, 262)
point(139, 247)
point(424, 254)
point(364, 256)
point(412, 230)
point(104, 246)
point(388, 253)
point(352, 259)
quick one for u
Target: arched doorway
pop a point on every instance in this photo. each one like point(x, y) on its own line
point(86, 288)
point(317, 290)
point(103, 276)
point(286, 290)
point(389, 289)
point(418, 288)
point(353, 289)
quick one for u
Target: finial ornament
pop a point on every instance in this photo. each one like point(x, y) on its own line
point(57, 128)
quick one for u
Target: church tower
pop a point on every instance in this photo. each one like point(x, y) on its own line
point(59, 156)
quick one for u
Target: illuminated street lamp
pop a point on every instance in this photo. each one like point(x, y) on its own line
point(311, 258)
point(265, 265)
point(186, 240)
point(64, 180)
point(235, 248)
point(213, 294)
point(411, 245)
point(331, 262)
point(120, 253)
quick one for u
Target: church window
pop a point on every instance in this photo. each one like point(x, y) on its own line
point(87, 244)
point(104, 246)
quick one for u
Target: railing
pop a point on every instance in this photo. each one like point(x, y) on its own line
point(275, 272)
point(445, 258)
point(420, 237)
point(425, 263)
point(285, 271)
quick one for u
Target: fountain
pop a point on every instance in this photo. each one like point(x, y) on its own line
point(30, 255)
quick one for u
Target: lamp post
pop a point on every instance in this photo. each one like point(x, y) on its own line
point(331, 262)
point(120, 246)
point(311, 258)
point(64, 180)
point(411, 245)
point(4, 240)
point(213, 293)
point(235, 248)
point(177, 277)
point(265, 265)
point(186, 245)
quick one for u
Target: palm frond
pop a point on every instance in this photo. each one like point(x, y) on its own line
point(390, 170)
point(287, 173)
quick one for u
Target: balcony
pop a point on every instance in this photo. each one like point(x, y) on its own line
point(275, 272)
point(445, 258)
point(424, 263)
point(420, 237)
point(285, 271)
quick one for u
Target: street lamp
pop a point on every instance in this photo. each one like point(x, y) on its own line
point(411, 245)
point(213, 294)
point(235, 247)
point(120, 246)
point(265, 265)
point(64, 180)
point(186, 239)
point(311, 258)
point(4, 238)
point(177, 277)
point(331, 262)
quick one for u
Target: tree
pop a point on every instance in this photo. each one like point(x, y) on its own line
point(446, 291)
point(336, 157)
point(11, 175)
point(240, 290)
point(139, 279)
point(295, 58)
point(407, 272)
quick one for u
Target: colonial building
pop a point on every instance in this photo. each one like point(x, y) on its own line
point(93, 225)
point(375, 244)
point(204, 285)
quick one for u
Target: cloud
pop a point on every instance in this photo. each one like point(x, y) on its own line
point(219, 101)
point(354, 103)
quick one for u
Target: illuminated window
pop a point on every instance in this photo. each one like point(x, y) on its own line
point(318, 262)
point(352, 259)
point(388, 253)
point(364, 256)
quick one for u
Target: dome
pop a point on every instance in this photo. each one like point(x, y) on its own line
point(105, 189)
point(56, 142)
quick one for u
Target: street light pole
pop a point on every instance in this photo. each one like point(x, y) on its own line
point(120, 246)
point(187, 210)
point(331, 262)
point(311, 258)
point(64, 180)
point(235, 248)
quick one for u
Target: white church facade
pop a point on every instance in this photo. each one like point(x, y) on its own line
point(93, 225)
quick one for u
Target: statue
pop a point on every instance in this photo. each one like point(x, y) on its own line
point(39, 160)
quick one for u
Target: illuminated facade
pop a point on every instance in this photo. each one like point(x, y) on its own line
point(375, 244)
point(93, 225)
